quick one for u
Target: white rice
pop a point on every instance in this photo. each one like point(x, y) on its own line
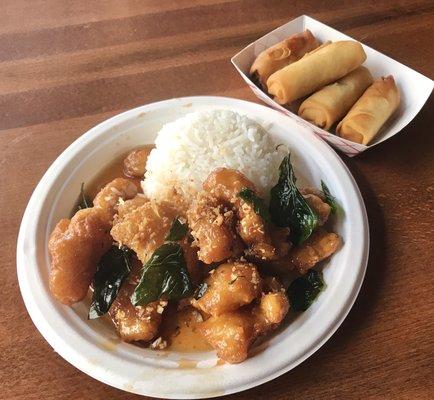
point(191, 147)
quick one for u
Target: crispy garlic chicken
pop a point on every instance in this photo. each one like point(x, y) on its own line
point(236, 321)
point(215, 255)
point(225, 185)
point(76, 245)
point(139, 323)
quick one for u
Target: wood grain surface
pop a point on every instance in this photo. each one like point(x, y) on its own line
point(68, 65)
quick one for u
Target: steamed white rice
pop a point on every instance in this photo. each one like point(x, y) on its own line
point(191, 147)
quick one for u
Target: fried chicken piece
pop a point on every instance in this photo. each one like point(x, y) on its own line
point(321, 208)
point(76, 247)
point(313, 190)
point(320, 245)
point(280, 240)
point(135, 323)
point(229, 287)
point(233, 333)
point(270, 284)
point(143, 225)
point(225, 184)
point(109, 196)
point(213, 228)
point(316, 200)
point(271, 310)
point(240, 318)
point(195, 271)
point(252, 230)
point(135, 162)
point(130, 205)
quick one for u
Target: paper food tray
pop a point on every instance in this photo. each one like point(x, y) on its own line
point(414, 87)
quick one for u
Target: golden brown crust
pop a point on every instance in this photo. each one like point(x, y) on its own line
point(333, 101)
point(229, 287)
point(225, 184)
point(109, 196)
point(135, 162)
point(270, 311)
point(320, 245)
point(230, 334)
point(371, 111)
point(316, 69)
point(135, 323)
point(142, 226)
point(233, 333)
point(320, 207)
point(281, 54)
point(76, 247)
point(212, 225)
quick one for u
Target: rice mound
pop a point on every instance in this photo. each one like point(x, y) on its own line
point(191, 147)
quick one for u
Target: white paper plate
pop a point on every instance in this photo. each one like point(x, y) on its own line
point(94, 348)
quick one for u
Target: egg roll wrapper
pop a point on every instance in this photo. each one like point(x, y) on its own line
point(281, 55)
point(371, 111)
point(333, 101)
point(322, 66)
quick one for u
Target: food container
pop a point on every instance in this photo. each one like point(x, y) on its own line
point(415, 88)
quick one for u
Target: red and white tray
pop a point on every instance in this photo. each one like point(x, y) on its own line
point(415, 88)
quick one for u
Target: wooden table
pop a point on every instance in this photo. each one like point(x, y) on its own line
point(68, 65)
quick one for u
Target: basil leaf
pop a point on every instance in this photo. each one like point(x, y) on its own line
point(256, 202)
point(330, 200)
point(84, 201)
point(164, 273)
point(113, 269)
point(200, 291)
point(178, 230)
point(288, 208)
point(304, 290)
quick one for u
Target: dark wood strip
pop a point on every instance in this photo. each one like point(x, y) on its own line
point(29, 108)
point(193, 19)
point(383, 16)
point(129, 58)
point(141, 27)
point(48, 14)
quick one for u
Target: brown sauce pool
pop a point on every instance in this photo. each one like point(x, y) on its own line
point(115, 169)
point(178, 327)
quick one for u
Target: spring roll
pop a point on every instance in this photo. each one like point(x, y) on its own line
point(371, 111)
point(281, 55)
point(333, 101)
point(322, 66)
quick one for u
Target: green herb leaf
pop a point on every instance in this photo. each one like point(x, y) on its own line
point(200, 291)
point(304, 290)
point(83, 202)
point(113, 269)
point(178, 230)
point(288, 208)
point(250, 197)
point(164, 273)
point(330, 200)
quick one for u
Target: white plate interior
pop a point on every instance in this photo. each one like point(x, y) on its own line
point(95, 349)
